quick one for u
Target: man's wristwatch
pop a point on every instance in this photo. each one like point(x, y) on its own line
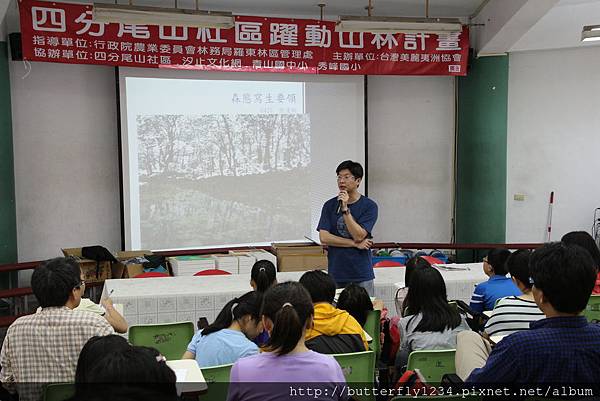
point(346, 211)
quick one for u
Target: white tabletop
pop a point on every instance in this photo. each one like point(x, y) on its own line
point(189, 375)
point(171, 299)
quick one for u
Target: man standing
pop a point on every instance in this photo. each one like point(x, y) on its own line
point(44, 347)
point(345, 227)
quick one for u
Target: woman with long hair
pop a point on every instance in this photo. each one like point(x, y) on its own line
point(429, 322)
point(287, 313)
point(230, 336)
point(414, 263)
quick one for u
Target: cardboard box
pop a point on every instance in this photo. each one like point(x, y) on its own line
point(294, 249)
point(291, 258)
point(88, 266)
point(121, 270)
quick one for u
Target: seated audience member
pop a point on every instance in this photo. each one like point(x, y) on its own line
point(123, 373)
point(44, 347)
point(230, 337)
point(586, 241)
point(416, 262)
point(287, 314)
point(262, 277)
point(95, 349)
point(430, 322)
point(514, 313)
point(498, 286)
point(334, 331)
point(562, 348)
point(355, 300)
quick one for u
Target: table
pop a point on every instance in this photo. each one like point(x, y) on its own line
point(172, 299)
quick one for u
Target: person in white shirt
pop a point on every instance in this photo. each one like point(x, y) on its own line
point(514, 313)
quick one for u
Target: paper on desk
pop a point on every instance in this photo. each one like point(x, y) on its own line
point(181, 374)
point(496, 339)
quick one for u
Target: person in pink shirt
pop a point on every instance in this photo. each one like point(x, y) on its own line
point(287, 369)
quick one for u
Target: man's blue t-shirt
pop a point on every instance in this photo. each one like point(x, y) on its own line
point(349, 264)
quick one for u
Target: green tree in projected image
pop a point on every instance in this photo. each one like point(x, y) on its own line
point(218, 179)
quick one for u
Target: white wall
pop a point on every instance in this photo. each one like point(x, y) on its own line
point(553, 142)
point(66, 158)
point(411, 146)
point(67, 171)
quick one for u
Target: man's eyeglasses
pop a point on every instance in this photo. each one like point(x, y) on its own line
point(345, 178)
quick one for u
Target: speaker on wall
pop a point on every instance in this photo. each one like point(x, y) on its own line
point(16, 51)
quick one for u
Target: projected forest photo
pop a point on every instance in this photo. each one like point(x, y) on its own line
point(223, 179)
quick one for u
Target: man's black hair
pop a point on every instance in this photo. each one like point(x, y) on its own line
point(53, 281)
point(565, 274)
point(319, 285)
point(355, 168)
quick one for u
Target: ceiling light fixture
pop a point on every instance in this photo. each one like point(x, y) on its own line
point(398, 24)
point(138, 15)
point(590, 33)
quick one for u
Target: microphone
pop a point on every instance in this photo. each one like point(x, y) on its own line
point(339, 207)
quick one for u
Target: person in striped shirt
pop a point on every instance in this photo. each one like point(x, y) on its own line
point(514, 313)
point(498, 286)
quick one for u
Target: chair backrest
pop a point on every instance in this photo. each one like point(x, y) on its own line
point(433, 260)
point(217, 379)
point(212, 272)
point(359, 371)
point(433, 364)
point(59, 391)
point(373, 328)
point(592, 310)
point(170, 339)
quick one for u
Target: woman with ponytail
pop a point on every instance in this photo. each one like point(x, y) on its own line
point(263, 277)
point(230, 336)
point(287, 313)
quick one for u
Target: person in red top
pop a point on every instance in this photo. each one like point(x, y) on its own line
point(585, 240)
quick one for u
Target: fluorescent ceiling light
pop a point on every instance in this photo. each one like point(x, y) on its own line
point(137, 15)
point(590, 33)
point(398, 25)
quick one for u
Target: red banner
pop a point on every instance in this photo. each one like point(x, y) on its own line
point(65, 33)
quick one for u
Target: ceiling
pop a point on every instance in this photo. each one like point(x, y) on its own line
point(558, 28)
point(561, 27)
point(310, 9)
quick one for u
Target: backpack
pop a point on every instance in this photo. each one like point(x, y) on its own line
point(412, 383)
point(99, 254)
point(391, 339)
point(475, 320)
